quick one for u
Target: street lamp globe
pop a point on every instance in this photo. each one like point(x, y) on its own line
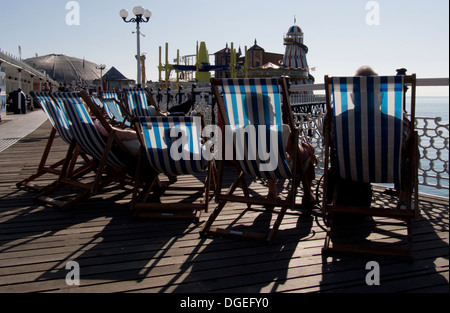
point(139, 10)
point(147, 13)
point(123, 13)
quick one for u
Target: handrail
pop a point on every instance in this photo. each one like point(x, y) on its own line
point(422, 82)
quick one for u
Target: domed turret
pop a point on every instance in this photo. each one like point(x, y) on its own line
point(295, 53)
point(294, 30)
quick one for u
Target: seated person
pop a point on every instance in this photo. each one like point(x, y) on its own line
point(307, 162)
point(128, 137)
point(183, 108)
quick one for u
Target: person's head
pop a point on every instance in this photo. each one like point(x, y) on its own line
point(366, 71)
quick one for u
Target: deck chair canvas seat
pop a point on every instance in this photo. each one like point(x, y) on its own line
point(110, 166)
point(61, 127)
point(260, 106)
point(114, 108)
point(173, 147)
point(140, 103)
point(365, 143)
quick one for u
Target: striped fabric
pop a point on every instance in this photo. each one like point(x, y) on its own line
point(112, 107)
point(115, 111)
point(55, 114)
point(110, 95)
point(250, 103)
point(368, 128)
point(137, 102)
point(173, 144)
point(97, 101)
point(82, 127)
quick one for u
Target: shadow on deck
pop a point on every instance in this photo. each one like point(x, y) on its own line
point(117, 253)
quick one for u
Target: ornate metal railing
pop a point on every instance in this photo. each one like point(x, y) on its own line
point(433, 146)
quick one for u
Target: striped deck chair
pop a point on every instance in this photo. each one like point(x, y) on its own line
point(140, 103)
point(110, 166)
point(172, 147)
point(57, 118)
point(258, 107)
point(366, 143)
point(113, 107)
point(110, 95)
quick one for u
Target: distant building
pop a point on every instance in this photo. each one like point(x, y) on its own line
point(260, 63)
point(113, 79)
point(256, 57)
point(223, 57)
point(65, 69)
point(295, 53)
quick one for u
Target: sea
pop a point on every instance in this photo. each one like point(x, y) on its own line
point(436, 107)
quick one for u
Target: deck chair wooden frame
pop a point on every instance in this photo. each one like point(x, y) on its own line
point(389, 94)
point(156, 143)
point(60, 127)
point(280, 113)
point(109, 167)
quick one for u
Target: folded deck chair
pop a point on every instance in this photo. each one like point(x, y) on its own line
point(61, 127)
point(365, 143)
point(258, 107)
point(109, 154)
point(172, 146)
point(140, 103)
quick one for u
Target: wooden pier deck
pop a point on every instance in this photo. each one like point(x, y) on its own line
point(117, 253)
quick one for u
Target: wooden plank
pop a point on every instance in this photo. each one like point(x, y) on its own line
point(118, 253)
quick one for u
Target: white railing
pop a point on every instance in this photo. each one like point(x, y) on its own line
point(433, 134)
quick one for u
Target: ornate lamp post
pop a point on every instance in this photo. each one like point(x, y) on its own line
point(101, 67)
point(142, 16)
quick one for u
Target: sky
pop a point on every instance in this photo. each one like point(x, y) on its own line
point(341, 35)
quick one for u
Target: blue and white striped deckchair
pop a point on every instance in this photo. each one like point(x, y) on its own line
point(368, 128)
point(160, 146)
point(110, 95)
point(57, 118)
point(254, 111)
point(98, 102)
point(172, 147)
point(83, 128)
point(249, 105)
point(109, 167)
point(365, 136)
point(138, 103)
point(55, 114)
point(110, 102)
